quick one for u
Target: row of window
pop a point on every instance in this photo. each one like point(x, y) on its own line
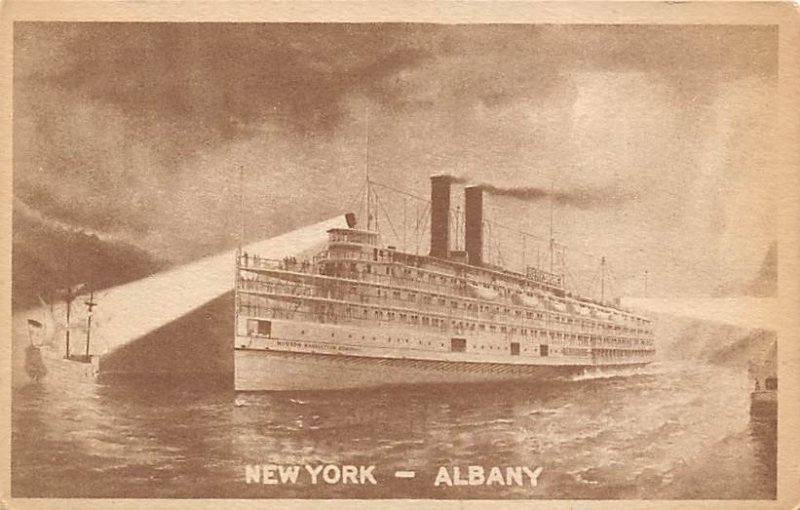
point(336, 268)
point(429, 299)
point(322, 314)
point(261, 327)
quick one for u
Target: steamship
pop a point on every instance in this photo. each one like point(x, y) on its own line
point(360, 314)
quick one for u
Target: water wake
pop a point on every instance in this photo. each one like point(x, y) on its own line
point(612, 372)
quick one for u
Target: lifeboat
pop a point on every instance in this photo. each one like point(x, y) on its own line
point(482, 292)
point(602, 315)
point(527, 300)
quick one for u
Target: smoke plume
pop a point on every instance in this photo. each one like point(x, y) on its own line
point(581, 198)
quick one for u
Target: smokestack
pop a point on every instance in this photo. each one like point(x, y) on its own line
point(473, 224)
point(440, 216)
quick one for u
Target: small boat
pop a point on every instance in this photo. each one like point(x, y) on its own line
point(764, 399)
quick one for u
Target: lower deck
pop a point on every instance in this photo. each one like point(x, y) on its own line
point(270, 370)
point(290, 355)
point(404, 342)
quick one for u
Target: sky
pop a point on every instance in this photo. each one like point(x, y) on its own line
point(142, 132)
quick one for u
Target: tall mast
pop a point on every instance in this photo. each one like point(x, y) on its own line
point(458, 227)
point(404, 223)
point(90, 306)
point(552, 239)
point(239, 255)
point(69, 289)
point(241, 208)
point(366, 173)
point(603, 279)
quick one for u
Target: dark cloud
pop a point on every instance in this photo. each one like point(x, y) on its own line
point(139, 128)
point(216, 78)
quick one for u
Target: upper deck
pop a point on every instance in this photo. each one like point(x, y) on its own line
point(355, 256)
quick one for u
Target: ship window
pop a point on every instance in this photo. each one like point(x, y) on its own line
point(514, 349)
point(458, 344)
point(259, 327)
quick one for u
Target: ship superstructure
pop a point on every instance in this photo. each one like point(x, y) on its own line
point(362, 314)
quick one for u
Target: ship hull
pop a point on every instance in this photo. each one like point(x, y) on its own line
point(272, 370)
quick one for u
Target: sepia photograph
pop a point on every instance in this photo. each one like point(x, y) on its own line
point(395, 260)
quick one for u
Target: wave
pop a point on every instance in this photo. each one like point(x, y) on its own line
point(613, 372)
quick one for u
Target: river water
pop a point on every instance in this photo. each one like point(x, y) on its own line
point(672, 430)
